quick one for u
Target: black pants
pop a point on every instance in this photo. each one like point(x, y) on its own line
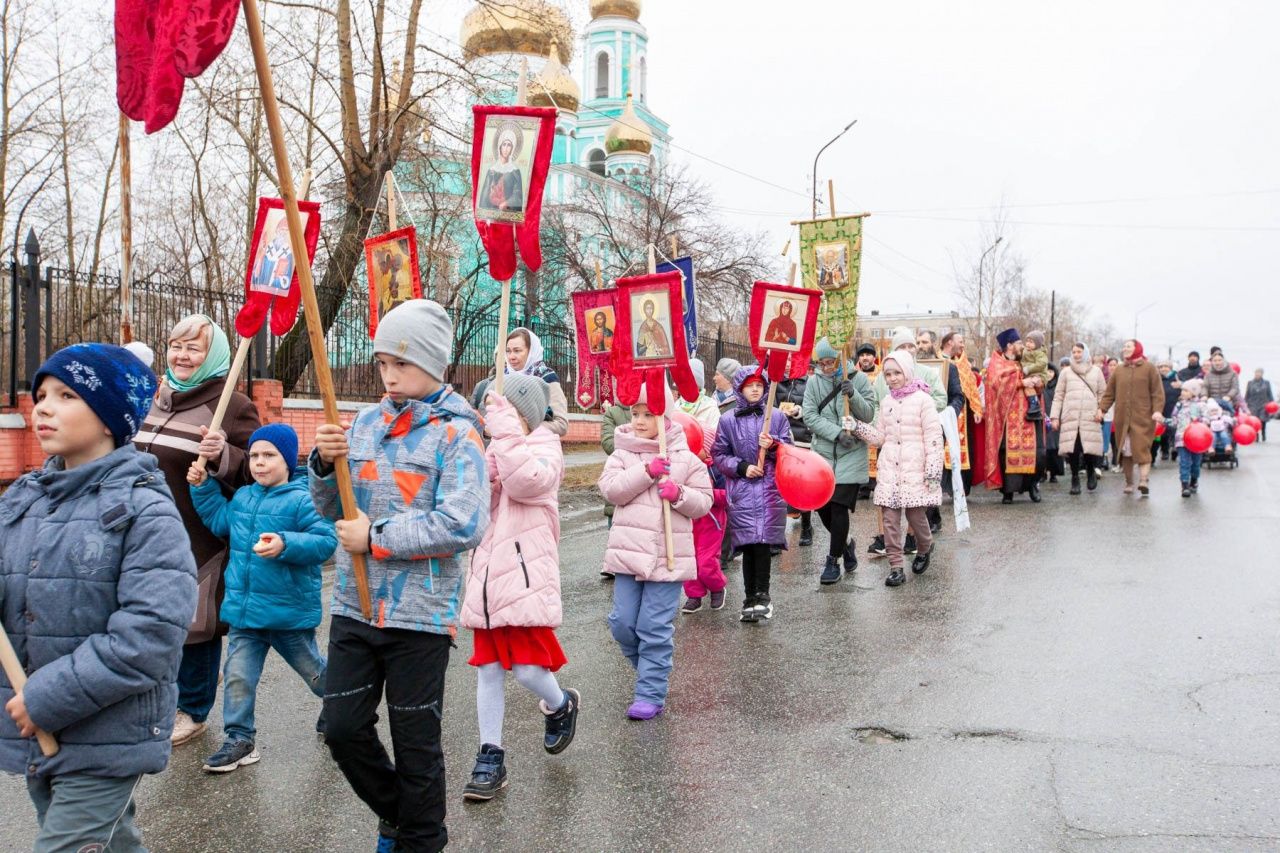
point(756, 561)
point(835, 517)
point(1079, 459)
point(410, 665)
point(933, 514)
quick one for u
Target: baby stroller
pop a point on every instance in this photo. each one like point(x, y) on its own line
point(1219, 455)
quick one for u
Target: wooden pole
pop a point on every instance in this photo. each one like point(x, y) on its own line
point(668, 539)
point(17, 680)
point(675, 247)
point(391, 200)
point(237, 362)
point(504, 305)
point(310, 307)
point(599, 276)
point(126, 233)
point(831, 197)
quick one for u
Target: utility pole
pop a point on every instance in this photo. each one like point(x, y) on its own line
point(1053, 317)
point(982, 338)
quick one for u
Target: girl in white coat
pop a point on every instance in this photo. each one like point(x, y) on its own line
point(909, 464)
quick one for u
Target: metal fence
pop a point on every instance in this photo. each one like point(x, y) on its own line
point(76, 307)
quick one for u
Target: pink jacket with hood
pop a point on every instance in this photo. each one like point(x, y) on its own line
point(514, 578)
point(909, 435)
point(636, 543)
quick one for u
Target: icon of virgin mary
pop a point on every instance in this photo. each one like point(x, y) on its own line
point(503, 187)
point(782, 328)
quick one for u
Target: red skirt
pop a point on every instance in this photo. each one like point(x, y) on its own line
point(517, 645)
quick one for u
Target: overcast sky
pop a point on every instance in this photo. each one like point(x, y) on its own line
point(961, 104)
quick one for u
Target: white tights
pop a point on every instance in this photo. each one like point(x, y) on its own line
point(490, 686)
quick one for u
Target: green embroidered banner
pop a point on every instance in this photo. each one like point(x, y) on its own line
point(831, 261)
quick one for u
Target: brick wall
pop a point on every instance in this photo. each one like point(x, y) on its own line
point(20, 452)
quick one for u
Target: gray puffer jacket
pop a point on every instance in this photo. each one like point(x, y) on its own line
point(98, 587)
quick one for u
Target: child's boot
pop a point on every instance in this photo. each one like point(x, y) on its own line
point(1033, 409)
point(850, 557)
point(1186, 490)
point(806, 533)
point(831, 571)
point(1075, 482)
point(489, 776)
point(1195, 485)
point(561, 723)
point(692, 605)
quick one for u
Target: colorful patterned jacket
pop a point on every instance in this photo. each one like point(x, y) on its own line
point(420, 475)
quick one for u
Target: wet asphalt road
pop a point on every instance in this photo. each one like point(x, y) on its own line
point(1095, 673)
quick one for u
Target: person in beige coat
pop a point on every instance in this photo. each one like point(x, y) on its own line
point(1080, 388)
point(1137, 393)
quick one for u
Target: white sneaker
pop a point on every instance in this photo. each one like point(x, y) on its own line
point(185, 729)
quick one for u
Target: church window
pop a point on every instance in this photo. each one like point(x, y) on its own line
point(595, 162)
point(602, 75)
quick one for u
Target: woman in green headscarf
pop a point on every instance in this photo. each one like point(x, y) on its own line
point(198, 358)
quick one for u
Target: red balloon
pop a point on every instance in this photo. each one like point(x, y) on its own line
point(692, 430)
point(1244, 434)
point(1235, 365)
point(1255, 422)
point(1272, 407)
point(1198, 438)
point(806, 481)
point(1159, 428)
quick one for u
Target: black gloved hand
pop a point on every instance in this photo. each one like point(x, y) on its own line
point(845, 440)
point(846, 387)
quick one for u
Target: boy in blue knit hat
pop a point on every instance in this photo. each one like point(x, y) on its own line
point(97, 590)
point(278, 547)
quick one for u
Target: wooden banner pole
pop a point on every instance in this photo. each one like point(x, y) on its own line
point(237, 362)
point(599, 276)
point(310, 307)
point(391, 200)
point(126, 233)
point(668, 539)
point(17, 680)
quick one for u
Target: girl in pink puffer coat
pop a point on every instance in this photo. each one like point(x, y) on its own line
point(909, 463)
point(636, 480)
point(512, 602)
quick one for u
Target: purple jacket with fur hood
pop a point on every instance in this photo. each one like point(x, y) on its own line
point(757, 513)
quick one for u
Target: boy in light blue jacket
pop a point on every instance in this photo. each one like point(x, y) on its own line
point(278, 547)
point(97, 590)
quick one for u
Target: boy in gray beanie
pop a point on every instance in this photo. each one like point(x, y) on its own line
point(726, 369)
point(423, 489)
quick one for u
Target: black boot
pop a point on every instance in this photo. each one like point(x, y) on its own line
point(1091, 479)
point(1075, 483)
point(489, 776)
point(562, 723)
point(920, 564)
point(1034, 493)
point(1186, 490)
point(1195, 485)
point(806, 535)
point(896, 578)
point(831, 571)
point(850, 558)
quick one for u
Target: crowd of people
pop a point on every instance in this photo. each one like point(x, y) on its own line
point(147, 536)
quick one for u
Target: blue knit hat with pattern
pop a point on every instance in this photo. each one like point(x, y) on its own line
point(111, 380)
point(283, 437)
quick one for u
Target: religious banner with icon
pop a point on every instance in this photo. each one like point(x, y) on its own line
point(510, 157)
point(649, 340)
point(391, 261)
point(685, 267)
point(271, 279)
point(596, 320)
point(783, 323)
point(831, 261)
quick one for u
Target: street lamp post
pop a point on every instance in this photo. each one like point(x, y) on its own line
point(1137, 314)
point(815, 164)
point(981, 337)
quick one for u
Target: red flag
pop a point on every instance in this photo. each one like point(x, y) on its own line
point(649, 340)
point(783, 323)
point(161, 42)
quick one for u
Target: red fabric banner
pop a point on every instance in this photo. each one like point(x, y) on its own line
point(271, 278)
point(596, 321)
point(783, 324)
point(508, 175)
point(649, 340)
point(161, 42)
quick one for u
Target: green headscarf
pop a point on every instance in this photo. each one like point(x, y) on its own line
point(216, 363)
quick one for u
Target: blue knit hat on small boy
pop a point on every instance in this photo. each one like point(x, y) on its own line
point(111, 380)
point(283, 437)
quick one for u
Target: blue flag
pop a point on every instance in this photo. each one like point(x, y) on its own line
point(685, 267)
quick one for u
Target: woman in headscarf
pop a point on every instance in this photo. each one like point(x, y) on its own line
point(1080, 387)
point(524, 355)
point(1137, 393)
point(198, 358)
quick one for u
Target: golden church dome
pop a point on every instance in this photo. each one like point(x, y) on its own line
point(554, 86)
point(628, 133)
point(517, 26)
point(624, 8)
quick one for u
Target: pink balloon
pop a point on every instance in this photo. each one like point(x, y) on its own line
point(1272, 407)
point(1198, 438)
point(805, 480)
point(692, 430)
point(1244, 434)
point(1255, 422)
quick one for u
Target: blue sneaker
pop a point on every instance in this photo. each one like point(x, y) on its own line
point(386, 844)
point(233, 754)
point(562, 723)
point(489, 775)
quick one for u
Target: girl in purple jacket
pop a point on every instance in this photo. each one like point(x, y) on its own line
point(757, 513)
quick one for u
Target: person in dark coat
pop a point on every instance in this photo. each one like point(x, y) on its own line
point(1256, 396)
point(1172, 391)
point(1053, 462)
